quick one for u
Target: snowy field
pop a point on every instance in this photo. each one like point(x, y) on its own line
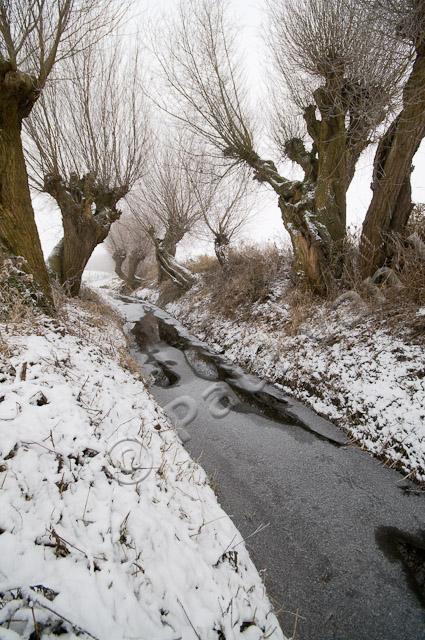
point(108, 529)
point(343, 362)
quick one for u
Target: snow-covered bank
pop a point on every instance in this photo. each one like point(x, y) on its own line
point(108, 529)
point(351, 366)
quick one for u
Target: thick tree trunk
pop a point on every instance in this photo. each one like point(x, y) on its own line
point(83, 228)
point(18, 231)
point(119, 258)
point(314, 209)
point(311, 241)
point(169, 244)
point(134, 260)
point(221, 248)
point(391, 203)
point(332, 168)
point(170, 269)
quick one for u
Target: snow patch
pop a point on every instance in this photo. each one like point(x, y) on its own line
point(86, 549)
point(359, 374)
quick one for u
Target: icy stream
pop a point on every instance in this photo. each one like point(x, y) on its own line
point(340, 537)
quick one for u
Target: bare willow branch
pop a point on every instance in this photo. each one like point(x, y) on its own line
point(326, 53)
point(87, 146)
point(92, 119)
point(35, 34)
point(226, 202)
point(165, 202)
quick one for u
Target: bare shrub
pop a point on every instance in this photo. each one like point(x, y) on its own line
point(249, 276)
point(402, 281)
point(410, 274)
point(202, 263)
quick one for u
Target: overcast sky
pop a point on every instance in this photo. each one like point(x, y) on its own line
point(267, 224)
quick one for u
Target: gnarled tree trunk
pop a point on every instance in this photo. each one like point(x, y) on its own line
point(18, 231)
point(391, 203)
point(169, 268)
point(314, 209)
point(221, 248)
point(129, 276)
point(169, 244)
point(87, 215)
point(134, 259)
point(332, 167)
point(119, 258)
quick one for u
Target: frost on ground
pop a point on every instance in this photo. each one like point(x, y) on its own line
point(361, 371)
point(87, 548)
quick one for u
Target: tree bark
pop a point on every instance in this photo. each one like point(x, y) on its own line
point(119, 258)
point(391, 203)
point(134, 259)
point(172, 237)
point(169, 268)
point(332, 166)
point(312, 242)
point(87, 215)
point(314, 209)
point(18, 231)
point(221, 248)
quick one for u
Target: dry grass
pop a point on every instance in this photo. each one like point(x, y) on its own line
point(202, 263)
point(303, 305)
point(103, 313)
point(18, 296)
point(402, 284)
point(248, 277)
point(255, 275)
point(98, 313)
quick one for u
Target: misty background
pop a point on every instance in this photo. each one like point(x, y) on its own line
point(266, 225)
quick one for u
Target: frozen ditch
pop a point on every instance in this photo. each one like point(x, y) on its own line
point(320, 516)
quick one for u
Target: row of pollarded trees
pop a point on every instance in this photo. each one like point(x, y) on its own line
point(184, 192)
point(344, 67)
point(345, 73)
point(34, 37)
point(87, 148)
point(71, 104)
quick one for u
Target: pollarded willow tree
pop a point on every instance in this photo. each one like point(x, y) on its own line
point(87, 148)
point(129, 247)
point(226, 205)
point(34, 35)
point(346, 84)
point(166, 205)
point(391, 205)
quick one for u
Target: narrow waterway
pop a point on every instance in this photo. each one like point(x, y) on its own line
point(340, 539)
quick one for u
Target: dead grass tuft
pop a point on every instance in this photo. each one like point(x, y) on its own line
point(18, 295)
point(400, 285)
point(202, 264)
point(248, 277)
point(302, 305)
point(98, 313)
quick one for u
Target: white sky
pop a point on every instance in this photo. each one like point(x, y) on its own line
point(267, 225)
